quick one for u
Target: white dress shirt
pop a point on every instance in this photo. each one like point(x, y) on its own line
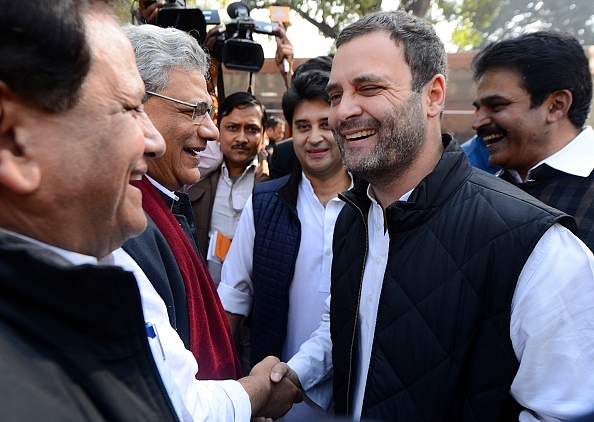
point(192, 399)
point(310, 286)
point(230, 197)
point(576, 158)
point(200, 400)
point(551, 327)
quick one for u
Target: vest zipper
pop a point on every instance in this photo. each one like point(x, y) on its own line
point(350, 376)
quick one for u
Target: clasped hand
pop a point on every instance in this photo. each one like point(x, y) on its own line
point(273, 387)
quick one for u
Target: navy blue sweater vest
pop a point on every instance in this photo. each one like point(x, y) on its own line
point(566, 192)
point(276, 245)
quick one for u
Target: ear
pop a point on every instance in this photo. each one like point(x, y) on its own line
point(19, 172)
point(435, 92)
point(558, 104)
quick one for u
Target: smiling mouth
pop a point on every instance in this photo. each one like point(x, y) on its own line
point(360, 135)
point(493, 136)
point(317, 151)
point(192, 151)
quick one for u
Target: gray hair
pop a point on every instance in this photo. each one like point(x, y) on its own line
point(158, 50)
point(424, 51)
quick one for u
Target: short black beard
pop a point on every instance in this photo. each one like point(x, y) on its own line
point(401, 135)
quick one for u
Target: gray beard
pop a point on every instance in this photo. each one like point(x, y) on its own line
point(401, 135)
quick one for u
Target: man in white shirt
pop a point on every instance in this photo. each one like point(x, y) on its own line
point(278, 266)
point(217, 200)
point(75, 344)
point(533, 97)
point(455, 296)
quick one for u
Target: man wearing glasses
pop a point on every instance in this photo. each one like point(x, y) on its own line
point(174, 68)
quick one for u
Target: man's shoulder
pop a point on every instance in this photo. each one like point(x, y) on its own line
point(148, 245)
point(205, 185)
point(509, 200)
point(270, 186)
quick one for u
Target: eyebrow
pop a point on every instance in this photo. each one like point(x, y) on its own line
point(331, 87)
point(360, 80)
point(489, 99)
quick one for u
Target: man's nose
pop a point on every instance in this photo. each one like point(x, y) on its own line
point(480, 119)
point(154, 144)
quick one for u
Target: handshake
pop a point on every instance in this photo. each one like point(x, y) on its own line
point(273, 387)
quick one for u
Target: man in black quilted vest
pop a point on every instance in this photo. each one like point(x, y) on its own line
point(533, 98)
point(455, 296)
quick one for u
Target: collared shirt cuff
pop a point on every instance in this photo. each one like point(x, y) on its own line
point(235, 301)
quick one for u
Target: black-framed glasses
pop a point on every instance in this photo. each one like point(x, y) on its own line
point(200, 108)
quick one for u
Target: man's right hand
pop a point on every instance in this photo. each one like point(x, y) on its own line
point(270, 398)
point(282, 370)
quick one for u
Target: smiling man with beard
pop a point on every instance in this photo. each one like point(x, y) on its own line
point(455, 296)
point(533, 98)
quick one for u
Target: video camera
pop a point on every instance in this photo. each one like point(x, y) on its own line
point(192, 20)
point(235, 47)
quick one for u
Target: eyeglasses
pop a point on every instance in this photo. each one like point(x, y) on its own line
point(200, 108)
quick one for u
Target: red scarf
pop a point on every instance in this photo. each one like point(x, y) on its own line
point(210, 336)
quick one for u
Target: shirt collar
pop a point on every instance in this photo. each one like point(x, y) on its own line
point(575, 158)
point(252, 164)
point(376, 205)
point(306, 182)
point(162, 188)
point(371, 195)
point(72, 257)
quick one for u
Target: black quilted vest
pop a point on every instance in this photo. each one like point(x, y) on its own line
point(441, 350)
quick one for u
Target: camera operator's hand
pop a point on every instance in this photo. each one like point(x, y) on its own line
point(284, 50)
point(215, 63)
point(149, 9)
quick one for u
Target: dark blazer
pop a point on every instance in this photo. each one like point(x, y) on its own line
point(283, 160)
point(73, 342)
point(152, 253)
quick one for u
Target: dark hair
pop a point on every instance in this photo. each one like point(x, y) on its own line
point(240, 100)
point(547, 61)
point(309, 85)
point(315, 63)
point(424, 51)
point(274, 121)
point(45, 54)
